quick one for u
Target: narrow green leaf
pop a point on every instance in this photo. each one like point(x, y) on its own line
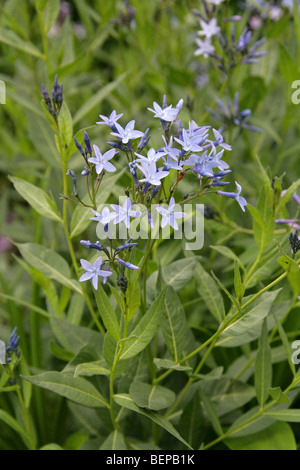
point(74, 388)
point(210, 293)
point(37, 198)
point(225, 251)
point(174, 325)
point(238, 285)
point(154, 397)
point(168, 364)
point(146, 328)
point(127, 402)
point(11, 422)
point(209, 407)
point(89, 369)
point(243, 330)
point(107, 313)
point(51, 264)
point(263, 367)
point(289, 416)
point(12, 39)
point(287, 196)
point(286, 344)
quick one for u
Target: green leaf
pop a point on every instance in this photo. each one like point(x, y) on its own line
point(176, 275)
point(89, 369)
point(12, 39)
point(126, 401)
point(65, 124)
point(263, 367)
point(288, 66)
point(238, 285)
point(287, 196)
point(145, 329)
point(154, 397)
point(49, 263)
point(74, 388)
point(168, 364)
point(243, 330)
point(285, 342)
point(37, 198)
point(225, 251)
point(174, 326)
point(11, 422)
point(107, 313)
point(289, 416)
point(115, 441)
point(50, 14)
point(278, 395)
point(210, 409)
point(279, 436)
point(96, 99)
point(296, 17)
point(192, 423)
point(210, 293)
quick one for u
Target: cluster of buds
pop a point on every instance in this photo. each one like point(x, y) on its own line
point(232, 116)
point(295, 242)
point(13, 346)
point(55, 102)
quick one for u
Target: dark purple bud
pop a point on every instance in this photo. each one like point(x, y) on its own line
point(126, 246)
point(72, 174)
point(55, 89)
point(155, 191)
point(46, 95)
point(79, 146)
point(87, 143)
point(116, 146)
point(180, 135)
point(222, 174)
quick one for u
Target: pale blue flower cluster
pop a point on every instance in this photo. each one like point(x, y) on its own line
point(197, 150)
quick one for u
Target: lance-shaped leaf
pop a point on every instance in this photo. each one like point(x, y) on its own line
point(127, 402)
point(37, 198)
point(263, 367)
point(145, 329)
point(115, 441)
point(244, 330)
point(174, 325)
point(154, 397)
point(74, 388)
point(107, 313)
point(210, 293)
point(48, 262)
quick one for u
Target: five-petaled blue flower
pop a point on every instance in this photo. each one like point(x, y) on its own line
point(152, 175)
point(125, 212)
point(111, 120)
point(241, 200)
point(128, 133)
point(168, 114)
point(102, 161)
point(94, 271)
point(169, 216)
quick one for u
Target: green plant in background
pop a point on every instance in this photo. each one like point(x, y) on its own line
point(180, 349)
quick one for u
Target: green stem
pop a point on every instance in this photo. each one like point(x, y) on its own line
point(27, 419)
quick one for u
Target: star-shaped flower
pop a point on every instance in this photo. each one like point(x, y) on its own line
point(128, 133)
point(124, 213)
point(105, 217)
point(205, 48)
point(111, 120)
point(168, 114)
point(189, 142)
point(241, 200)
point(94, 271)
point(169, 216)
point(102, 161)
point(209, 29)
point(152, 174)
point(152, 156)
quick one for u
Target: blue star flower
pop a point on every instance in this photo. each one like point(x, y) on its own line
point(241, 200)
point(102, 161)
point(169, 216)
point(124, 213)
point(128, 133)
point(94, 271)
